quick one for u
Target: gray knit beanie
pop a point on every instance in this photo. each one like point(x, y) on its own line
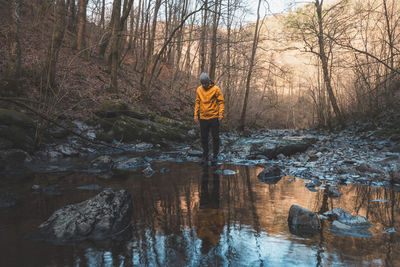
point(204, 78)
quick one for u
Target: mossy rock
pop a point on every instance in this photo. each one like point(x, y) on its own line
point(111, 109)
point(5, 144)
point(19, 137)
point(12, 117)
point(128, 129)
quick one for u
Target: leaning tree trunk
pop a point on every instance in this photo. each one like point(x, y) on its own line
point(55, 45)
point(253, 54)
point(324, 61)
point(14, 62)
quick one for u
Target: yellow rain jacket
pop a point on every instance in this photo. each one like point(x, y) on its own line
point(209, 103)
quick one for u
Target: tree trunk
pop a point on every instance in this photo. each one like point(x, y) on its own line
point(114, 55)
point(253, 54)
point(72, 16)
point(55, 45)
point(80, 39)
point(102, 15)
point(150, 48)
point(203, 43)
point(14, 63)
point(324, 61)
point(213, 55)
point(228, 62)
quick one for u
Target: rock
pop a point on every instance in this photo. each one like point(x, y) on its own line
point(89, 187)
point(364, 167)
point(14, 160)
point(129, 129)
point(303, 222)
point(339, 228)
point(132, 163)
point(344, 217)
point(54, 189)
point(148, 172)
point(390, 230)
point(333, 191)
point(195, 153)
point(225, 172)
point(67, 150)
point(164, 170)
point(7, 199)
point(292, 149)
point(17, 130)
point(103, 162)
point(101, 217)
point(272, 150)
point(271, 174)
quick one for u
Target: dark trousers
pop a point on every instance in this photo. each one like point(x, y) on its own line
point(205, 127)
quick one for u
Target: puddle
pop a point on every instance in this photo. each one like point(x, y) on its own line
point(195, 216)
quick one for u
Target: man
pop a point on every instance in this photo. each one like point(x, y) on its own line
point(209, 108)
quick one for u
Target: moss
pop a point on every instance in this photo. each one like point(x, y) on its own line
point(12, 117)
point(19, 137)
point(128, 129)
point(109, 109)
point(5, 144)
point(104, 137)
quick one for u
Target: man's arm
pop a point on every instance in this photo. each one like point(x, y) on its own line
point(196, 107)
point(220, 102)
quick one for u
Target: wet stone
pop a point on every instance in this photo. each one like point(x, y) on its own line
point(102, 217)
point(333, 192)
point(148, 172)
point(54, 189)
point(132, 163)
point(339, 228)
point(7, 199)
point(89, 187)
point(103, 162)
point(303, 222)
point(225, 172)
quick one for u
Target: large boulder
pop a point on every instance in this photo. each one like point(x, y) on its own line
point(276, 147)
point(102, 217)
point(13, 160)
point(129, 129)
point(17, 130)
point(7, 199)
point(303, 222)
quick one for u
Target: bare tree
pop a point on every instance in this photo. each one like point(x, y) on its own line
point(81, 35)
point(55, 45)
point(115, 39)
point(251, 65)
point(14, 63)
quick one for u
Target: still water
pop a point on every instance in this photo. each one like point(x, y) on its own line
point(191, 216)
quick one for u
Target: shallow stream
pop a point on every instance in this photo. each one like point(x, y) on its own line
point(191, 216)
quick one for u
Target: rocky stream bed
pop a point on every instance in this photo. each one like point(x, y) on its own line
point(324, 161)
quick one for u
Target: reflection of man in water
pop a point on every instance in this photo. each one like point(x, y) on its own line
point(209, 220)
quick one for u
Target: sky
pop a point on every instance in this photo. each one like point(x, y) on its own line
point(274, 6)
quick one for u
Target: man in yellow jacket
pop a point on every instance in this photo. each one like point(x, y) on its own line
point(209, 108)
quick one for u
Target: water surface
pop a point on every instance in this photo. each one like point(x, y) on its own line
point(190, 216)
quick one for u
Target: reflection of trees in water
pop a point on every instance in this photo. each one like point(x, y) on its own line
point(173, 207)
point(358, 200)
